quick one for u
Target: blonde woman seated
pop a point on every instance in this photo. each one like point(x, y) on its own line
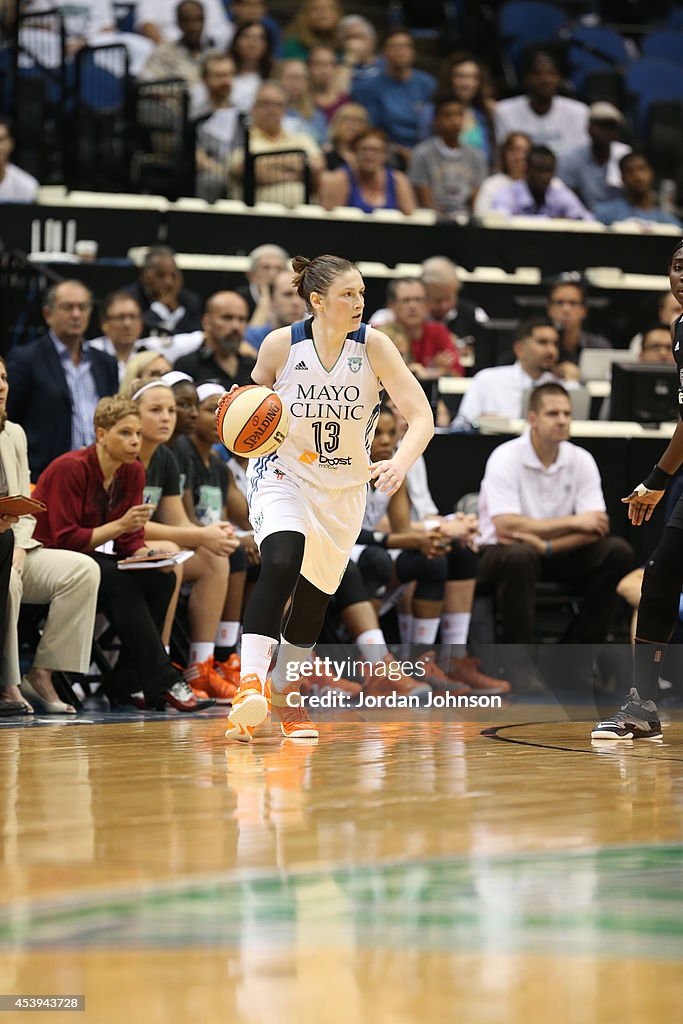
point(170, 526)
point(143, 367)
point(371, 185)
point(64, 580)
point(94, 499)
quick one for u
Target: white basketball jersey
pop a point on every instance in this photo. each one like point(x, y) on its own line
point(333, 414)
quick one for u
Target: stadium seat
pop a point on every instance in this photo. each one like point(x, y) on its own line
point(674, 20)
point(665, 141)
point(124, 15)
point(594, 48)
point(99, 88)
point(523, 23)
point(649, 80)
point(668, 45)
point(606, 86)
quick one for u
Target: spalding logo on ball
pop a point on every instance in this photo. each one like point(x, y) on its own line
point(252, 421)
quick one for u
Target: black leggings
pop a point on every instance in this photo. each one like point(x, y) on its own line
point(280, 578)
point(661, 591)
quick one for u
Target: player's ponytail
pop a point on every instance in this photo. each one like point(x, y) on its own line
point(317, 275)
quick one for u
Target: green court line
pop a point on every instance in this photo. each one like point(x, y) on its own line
point(622, 901)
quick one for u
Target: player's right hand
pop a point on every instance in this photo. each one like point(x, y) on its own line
point(641, 504)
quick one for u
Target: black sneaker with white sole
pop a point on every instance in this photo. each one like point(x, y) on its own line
point(637, 720)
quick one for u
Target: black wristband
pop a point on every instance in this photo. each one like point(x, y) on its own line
point(657, 479)
point(375, 537)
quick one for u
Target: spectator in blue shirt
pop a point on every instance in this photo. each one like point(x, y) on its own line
point(638, 201)
point(395, 98)
point(540, 194)
point(593, 170)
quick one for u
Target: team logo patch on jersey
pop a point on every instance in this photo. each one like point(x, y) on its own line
point(257, 522)
point(355, 363)
point(301, 366)
point(279, 475)
point(308, 457)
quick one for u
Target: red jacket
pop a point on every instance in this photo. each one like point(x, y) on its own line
point(73, 490)
point(434, 339)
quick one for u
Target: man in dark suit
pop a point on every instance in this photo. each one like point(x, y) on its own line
point(167, 307)
point(57, 380)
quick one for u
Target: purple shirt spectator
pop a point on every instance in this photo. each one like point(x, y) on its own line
point(540, 194)
point(558, 201)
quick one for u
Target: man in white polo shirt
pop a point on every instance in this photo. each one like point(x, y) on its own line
point(542, 517)
point(499, 390)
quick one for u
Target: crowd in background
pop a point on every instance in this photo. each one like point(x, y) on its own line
point(360, 123)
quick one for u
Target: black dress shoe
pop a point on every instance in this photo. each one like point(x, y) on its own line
point(12, 707)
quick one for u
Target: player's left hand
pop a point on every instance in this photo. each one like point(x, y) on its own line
point(387, 475)
point(641, 504)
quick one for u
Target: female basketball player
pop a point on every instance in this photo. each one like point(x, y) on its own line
point(663, 576)
point(307, 499)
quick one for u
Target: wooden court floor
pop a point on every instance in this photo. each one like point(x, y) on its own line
point(393, 873)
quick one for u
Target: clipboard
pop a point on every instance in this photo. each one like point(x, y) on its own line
point(20, 505)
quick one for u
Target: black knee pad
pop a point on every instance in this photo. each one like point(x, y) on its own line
point(462, 563)
point(430, 574)
point(375, 566)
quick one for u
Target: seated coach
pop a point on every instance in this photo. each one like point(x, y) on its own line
point(542, 517)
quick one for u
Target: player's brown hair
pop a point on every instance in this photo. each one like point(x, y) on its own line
point(317, 275)
point(111, 410)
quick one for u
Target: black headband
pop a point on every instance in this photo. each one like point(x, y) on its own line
point(678, 245)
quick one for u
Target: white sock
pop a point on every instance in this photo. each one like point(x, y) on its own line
point(405, 627)
point(372, 645)
point(290, 658)
point(425, 630)
point(257, 654)
point(454, 627)
point(200, 652)
point(227, 634)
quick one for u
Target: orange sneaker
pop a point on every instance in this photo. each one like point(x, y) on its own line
point(249, 709)
point(203, 677)
point(324, 682)
point(377, 681)
point(229, 670)
point(467, 671)
point(294, 721)
point(437, 678)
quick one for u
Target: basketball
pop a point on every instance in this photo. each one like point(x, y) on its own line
point(252, 421)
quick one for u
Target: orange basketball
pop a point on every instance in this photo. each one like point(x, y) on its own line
point(252, 421)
